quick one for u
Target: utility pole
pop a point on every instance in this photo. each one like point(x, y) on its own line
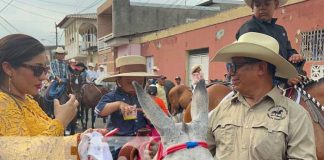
point(55, 34)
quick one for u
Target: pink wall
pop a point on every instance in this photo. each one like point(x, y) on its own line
point(170, 54)
point(131, 49)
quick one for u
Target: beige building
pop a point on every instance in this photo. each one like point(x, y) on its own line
point(80, 32)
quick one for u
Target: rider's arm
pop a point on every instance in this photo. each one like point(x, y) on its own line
point(110, 108)
point(300, 139)
point(107, 105)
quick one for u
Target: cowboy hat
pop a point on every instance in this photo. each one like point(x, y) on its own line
point(91, 65)
point(80, 64)
point(258, 46)
point(101, 66)
point(129, 66)
point(72, 60)
point(249, 2)
point(60, 50)
point(195, 68)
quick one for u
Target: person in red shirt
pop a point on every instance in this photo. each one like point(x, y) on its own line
point(152, 91)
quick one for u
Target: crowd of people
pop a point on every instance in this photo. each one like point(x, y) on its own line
point(255, 122)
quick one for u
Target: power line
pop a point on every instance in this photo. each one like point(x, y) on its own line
point(57, 3)
point(90, 6)
point(6, 28)
point(6, 6)
point(30, 12)
point(9, 24)
point(55, 11)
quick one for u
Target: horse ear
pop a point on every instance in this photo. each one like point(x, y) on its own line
point(199, 108)
point(154, 113)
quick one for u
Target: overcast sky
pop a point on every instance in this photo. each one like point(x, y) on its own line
point(38, 17)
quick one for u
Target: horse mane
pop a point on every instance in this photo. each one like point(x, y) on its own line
point(314, 83)
point(217, 81)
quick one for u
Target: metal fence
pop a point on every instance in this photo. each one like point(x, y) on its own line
point(312, 45)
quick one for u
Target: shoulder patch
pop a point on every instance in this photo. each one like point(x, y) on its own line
point(277, 112)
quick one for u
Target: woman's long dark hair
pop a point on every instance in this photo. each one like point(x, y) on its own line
point(17, 49)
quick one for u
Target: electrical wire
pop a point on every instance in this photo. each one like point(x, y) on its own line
point(30, 12)
point(57, 3)
point(90, 6)
point(5, 28)
point(9, 24)
point(55, 11)
point(6, 6)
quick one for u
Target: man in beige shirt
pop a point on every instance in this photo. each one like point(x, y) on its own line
point(258, 122)
point(160, 89)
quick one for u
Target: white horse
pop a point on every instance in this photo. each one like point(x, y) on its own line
point(181, 140)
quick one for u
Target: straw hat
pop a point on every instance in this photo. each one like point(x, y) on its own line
point(281, 2)
point(129, 66)
point(258, 46)
point(60, 50)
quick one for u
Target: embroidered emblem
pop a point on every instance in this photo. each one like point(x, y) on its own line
point(277, 112)
point(284, 34)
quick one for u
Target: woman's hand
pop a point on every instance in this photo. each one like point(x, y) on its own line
point(66, 112)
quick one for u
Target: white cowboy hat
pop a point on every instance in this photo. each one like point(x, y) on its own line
point(258, 46)
point(129, 66)
point(60, 50)
point(73, 60)
point(91, 65)
point(281, 2)
point(101, 66)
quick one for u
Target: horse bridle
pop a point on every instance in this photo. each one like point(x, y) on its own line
point(301, 88)
point(172, 149)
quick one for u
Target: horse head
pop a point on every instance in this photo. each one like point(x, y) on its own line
point(181, 133)
point(180, 97)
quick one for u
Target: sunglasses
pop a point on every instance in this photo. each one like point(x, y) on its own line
point(37, 70)
point(233, 67)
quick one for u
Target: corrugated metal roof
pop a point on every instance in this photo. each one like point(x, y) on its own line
point(85, 16)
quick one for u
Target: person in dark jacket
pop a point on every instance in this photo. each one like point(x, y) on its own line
point(263, 22)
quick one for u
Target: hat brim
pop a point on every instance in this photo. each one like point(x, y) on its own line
point(113, 78)
point(281, 2)
point(243, 49)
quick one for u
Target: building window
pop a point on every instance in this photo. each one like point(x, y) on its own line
point(312, 45)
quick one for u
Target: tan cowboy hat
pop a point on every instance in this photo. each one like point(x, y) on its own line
point(129, 66)
point(60, 50)
point(258, 46)
point(195, 68)
point(281, 2)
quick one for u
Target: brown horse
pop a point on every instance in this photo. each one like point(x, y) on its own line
point(90, 96)
point(180, 98)
point(316, 91)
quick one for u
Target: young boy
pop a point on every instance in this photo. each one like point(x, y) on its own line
point(263, 22)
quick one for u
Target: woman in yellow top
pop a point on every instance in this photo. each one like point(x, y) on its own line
point(26, 132)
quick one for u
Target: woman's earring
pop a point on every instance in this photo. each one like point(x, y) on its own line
point(9, 85)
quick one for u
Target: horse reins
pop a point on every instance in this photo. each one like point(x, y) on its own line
point(300, 87)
